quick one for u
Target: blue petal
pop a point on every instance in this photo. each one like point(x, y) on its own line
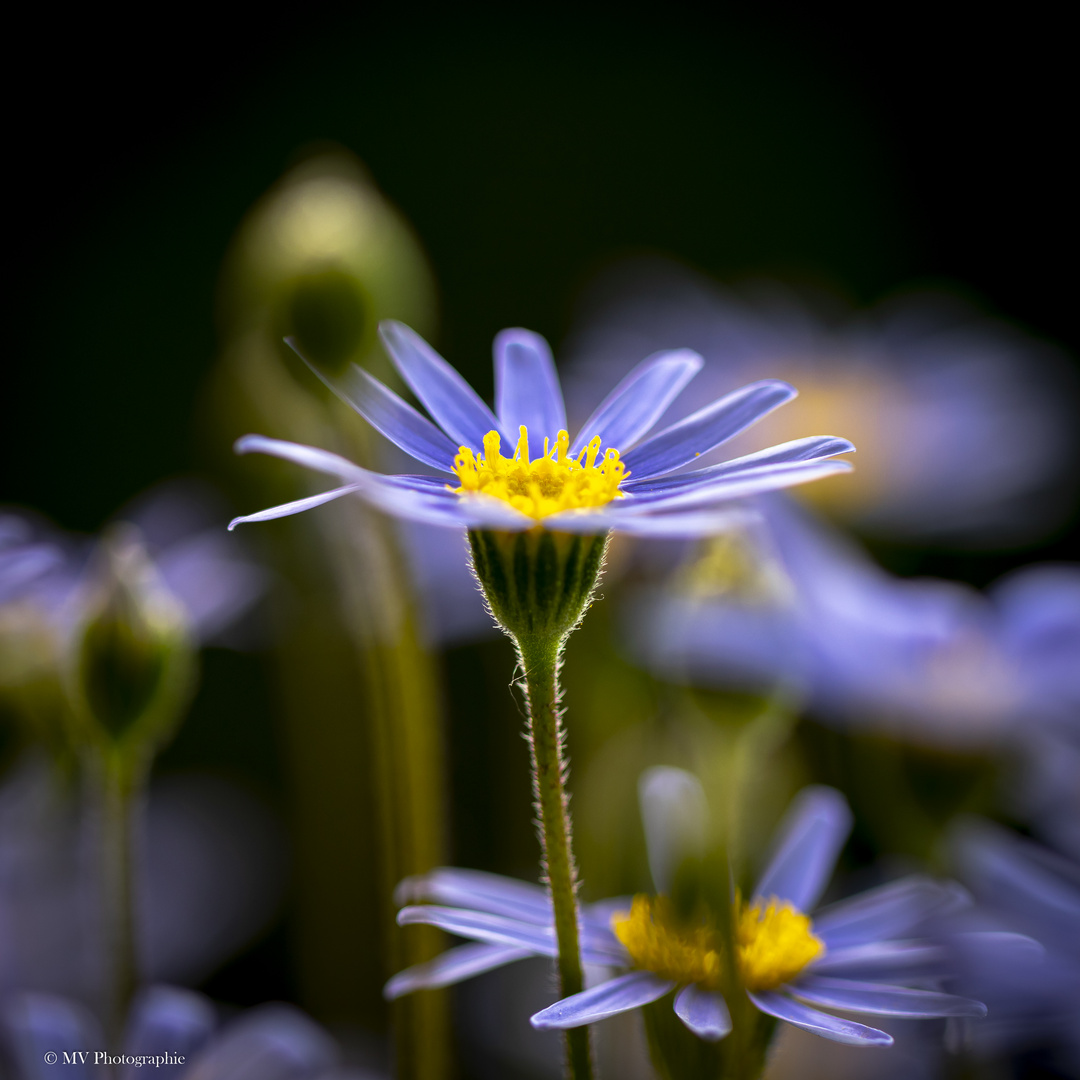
point(388, 414)
point(501, 930)
point(297, 506)
point(453, 403)
point(702, 523)
point(819, 1023)
point(881, 959)
point(453, 966)
point(704, 1012)
point(527, 387)
point(868, 997)
point(675, 814)
point(707, 428)
point(885, 912)
point(479, 926)
point(408, 498)
point(479, 891)
point(166, 1018)
point(632, 409)
point(614, 996)
point(271, 1042)
point(35, 1024)
point(810, 839)
point(811, 448)
point(739, 485)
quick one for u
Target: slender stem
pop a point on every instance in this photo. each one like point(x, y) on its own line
point(540, 659)
point(117, 790)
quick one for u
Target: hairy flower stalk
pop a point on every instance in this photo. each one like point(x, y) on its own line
point(538, 585)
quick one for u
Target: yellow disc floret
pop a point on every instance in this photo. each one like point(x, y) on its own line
point(657, 941)
point(552, 482)
point(774, 942)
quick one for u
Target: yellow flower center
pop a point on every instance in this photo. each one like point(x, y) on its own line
point(657, 941)
point(552, 482)
point(773, 943)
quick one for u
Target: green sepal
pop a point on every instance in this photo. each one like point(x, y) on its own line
point(538, 584)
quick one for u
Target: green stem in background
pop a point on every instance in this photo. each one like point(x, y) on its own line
point(118, 792)
point(540, 661)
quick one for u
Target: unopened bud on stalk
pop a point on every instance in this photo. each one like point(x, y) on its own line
point(133, 659)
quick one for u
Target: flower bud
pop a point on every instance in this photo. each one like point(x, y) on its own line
point(132, 654)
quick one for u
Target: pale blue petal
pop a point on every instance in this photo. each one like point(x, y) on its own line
point(35, 1024)
point(615, 996)
point(166, 1018)
point(880, 1000)
point(810, 838)
point(885, 912)
point(297, 506)
point(527, 387)
point(454, 405)
point(410, 498)
point(702, 523)
point(812, 448)
point(819, 1023)
point(740, 485)
point(675, 814)
point(388, 414)
point(503, 930)
point(707, 428)
point(479, 891)
point(881, 959)
point(270, 1042)
point(310, 457)
point(480, 926)
point(453, 966)
point(632, 409)
point(704, 1012)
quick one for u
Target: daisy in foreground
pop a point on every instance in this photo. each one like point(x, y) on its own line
point(539, 517)
point(609, 477)
point(773, 958)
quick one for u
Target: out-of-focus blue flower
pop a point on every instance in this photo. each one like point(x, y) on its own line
point(850, 956)
point(965, 426)
point(1023, 888)
point(178, 1031)
point(792, 601)
point(613, 476)
point(214, 579)
point(211, 875)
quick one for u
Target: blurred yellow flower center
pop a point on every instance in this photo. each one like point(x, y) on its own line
point(552, 482)
point(773, 943)
point(657, 941)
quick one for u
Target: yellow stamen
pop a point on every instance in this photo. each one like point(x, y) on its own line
point(657, 941)
point(773, 943)
point(552, 482)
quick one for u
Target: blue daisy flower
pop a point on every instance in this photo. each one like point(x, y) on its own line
point(614, 475)
point(855, 955)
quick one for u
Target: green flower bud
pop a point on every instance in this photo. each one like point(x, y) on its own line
point(132, 653)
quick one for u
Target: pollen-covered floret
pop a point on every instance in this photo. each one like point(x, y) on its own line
point(552, 482)
point(774, 943)
point(657, 941)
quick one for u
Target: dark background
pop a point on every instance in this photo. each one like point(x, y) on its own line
point(860, 151)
